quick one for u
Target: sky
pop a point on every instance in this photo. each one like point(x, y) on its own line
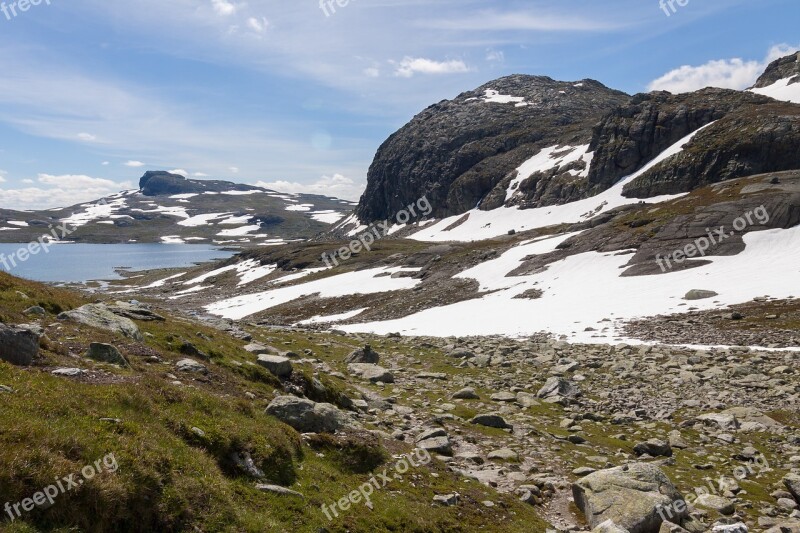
point(298, 95)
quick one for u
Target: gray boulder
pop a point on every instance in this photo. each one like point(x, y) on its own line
point(306, 416)
point(491, 421)
point(467, 393)
point(18, 346)
point(100, 317)
point(280, 366)
point(363, 355)
point(558, 390)
point(653, 448)
point(792, 482)
point(106, 353)
point(440, 445)
point(609, 527)
point(35, 311)
point(192, 366)
point(633, 497)
point(370, 372)
point(698, 294)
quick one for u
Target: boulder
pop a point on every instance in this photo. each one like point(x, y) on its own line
point(634, 497)
point(792, 482)
point(558, 390)
point(135, 311)
point(724, 421)
point(370, 372)
point(699, 294)
point(467, 393)
point(260, 349)
point(653, 448)
point(363, 355)
point(306, 416)
point(192, 366)
point(18, 346)
point(100, 317)
point(716, 503)
point(278, 365)
point(491, 420)
point(106, 353)
point(609, 527)
point(439, 445)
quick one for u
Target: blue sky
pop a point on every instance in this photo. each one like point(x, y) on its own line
point(95, 92)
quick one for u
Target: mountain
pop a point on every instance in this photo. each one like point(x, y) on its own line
point(173, 209)
point(533, 142)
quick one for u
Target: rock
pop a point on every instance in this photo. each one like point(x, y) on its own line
point(260, 349)
point(244, 462)
point(6, 389)
point(135, 311)
point(730, 528)
point(504, 454)
point(448, 500)
point(106, 353)
point(18, 346)
point(787, 504)
point(490, 420)
point(724, 421)
point(277, 489)
point(503, 397)
point(631, 496)
point(558, 390)
point(669, 527)
point(582, 471)
point(677, 441)
point(278, 365)
point(467, 393)
point(370, 372)
point(792, 482)
point(653, 448)
point(716, 503)
point(100, 317)
point(35, 311)
point(68, 372)
point(190, 365)
point(306, 416)
point(363, 355)
point(439, 445)
point(187, 348)
point(698, 294)
point(526, 399)
point(609, 527)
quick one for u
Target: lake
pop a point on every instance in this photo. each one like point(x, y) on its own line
point(76, 263)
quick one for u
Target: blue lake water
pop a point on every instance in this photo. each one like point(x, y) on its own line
point(75, 263)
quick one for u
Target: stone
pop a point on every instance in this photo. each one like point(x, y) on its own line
point(35, 311)
point(18, 346)
point(278, 365)
point(490, 420)
point(792, 482)
point(306, 416)
point(277, 489)
point(724, 421)
point(260, 349)
point(699, 294)
point(609, 527)
point(504, 454)
point(558, 390)
point(439, 445)
point(630, 496)
point(192, 366)
point(106, 353)
point(135, 311)
point(467, 393)
point(716, 503)
point(100, 317)
point(503, 397)
point(448, 500)
point(363, 355)
point(68, 372)
point(653, 448)
point(370, 372)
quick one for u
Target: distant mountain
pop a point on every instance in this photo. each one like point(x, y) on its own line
point(169, 208)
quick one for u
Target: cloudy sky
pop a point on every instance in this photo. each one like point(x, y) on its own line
point(299, 95)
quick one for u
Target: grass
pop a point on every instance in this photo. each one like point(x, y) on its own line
point(173, 443)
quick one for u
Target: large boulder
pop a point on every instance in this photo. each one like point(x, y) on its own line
point(308, 417)
point(558, 390)
point(18, 346)
point(633, 497)
point(373, 373)
point(792, 482)
point(99, 316)
point(278, 365)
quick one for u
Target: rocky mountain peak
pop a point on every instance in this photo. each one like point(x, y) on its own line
point(162, 183)
point(780, 69)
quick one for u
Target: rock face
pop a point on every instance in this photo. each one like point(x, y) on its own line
point(306, 416)
point(780, 69)
point(100, 317)
point(457, 151)
point(630, 496)
point(160, 183)
point(18, 346)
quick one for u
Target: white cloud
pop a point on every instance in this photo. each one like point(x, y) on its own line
point(495, 56)
point(200, 175)
point(733, 73)
point(60, 191)
point(337, 186)
point(87, 137)
point(224, 8)
point(134, 164)
point(180, 172)
point(234, 170)
point(27, 181)
point(105, 163)
point(372, 72)
point(412, 65)
point(258, 24)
